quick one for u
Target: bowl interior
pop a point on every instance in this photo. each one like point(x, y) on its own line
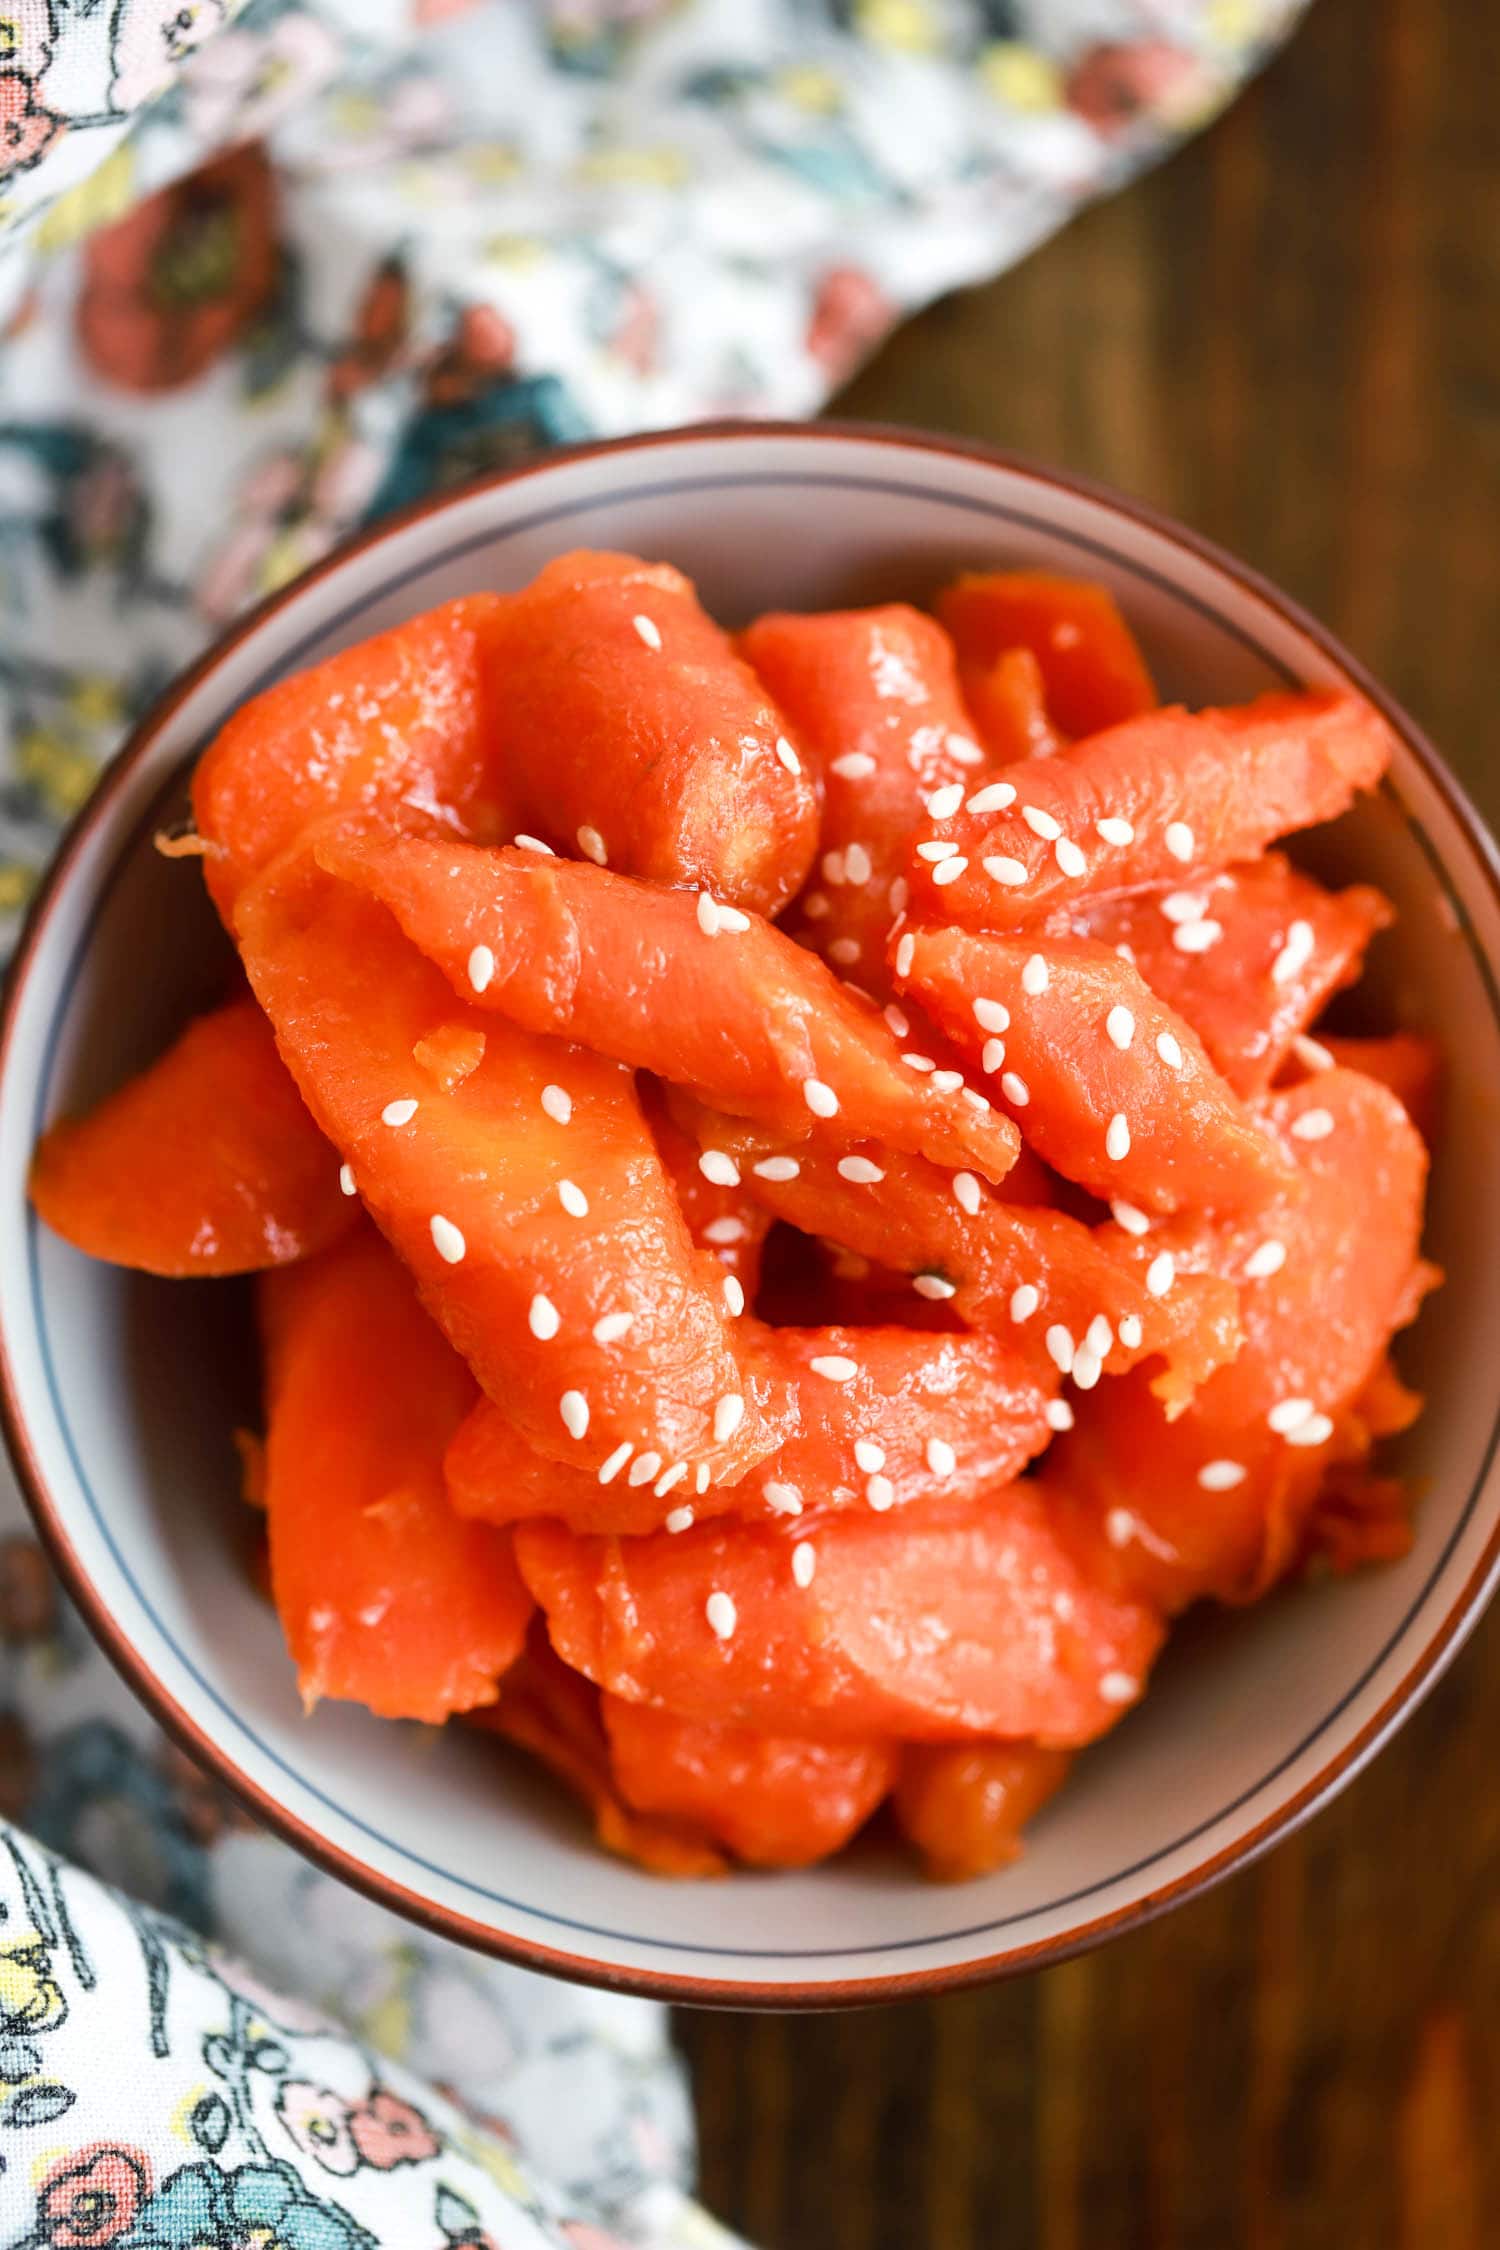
point(125, 1390)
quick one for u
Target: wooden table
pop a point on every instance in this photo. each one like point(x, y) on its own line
point(1290, 337)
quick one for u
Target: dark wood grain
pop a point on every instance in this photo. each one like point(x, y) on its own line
point(1290, 337)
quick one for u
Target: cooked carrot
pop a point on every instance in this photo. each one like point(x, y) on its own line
point(1408, 1062)
point(206, 1162)
point(631, 731)
point(1092, 669)
point(773, 1800)
point(1108, 1084)
point(386, 1597)
point(743, 1015)
point(1160, 800)
point(964, 1805)
point(1009, 701)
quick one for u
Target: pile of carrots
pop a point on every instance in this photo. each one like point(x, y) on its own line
point(799, 1213)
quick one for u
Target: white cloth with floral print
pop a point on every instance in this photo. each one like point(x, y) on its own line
point(267, 270)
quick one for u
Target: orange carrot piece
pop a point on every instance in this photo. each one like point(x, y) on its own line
point(1092, 669)
point(206, 1162)
point(1409, 1063)
point(1009, 701)
point(963, 1805)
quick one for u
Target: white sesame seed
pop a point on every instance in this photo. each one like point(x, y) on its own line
point(719, 1168)
point(820, 1099)
point(860, 1171)
point(844, 950)
point(543, 1319)
point(1311, 1053)
point(869, 1456)
point(1117, 1138)
point(816, 905)
point(1179, 840)
point(905, 954)
point(776, 1168)
point(933, 1286)
point(1267, 1258)
point(1161, 1273)
point(832, 865)
point(950, 871)
point(591, 844)
point(782, 1499)
point(1197, 937)
point(708, 915)
point(729, 1412)
point(1131, 1331)
point(858, 867)
point(611, 1468)
point(991, 1015)
point(1119, 1687)
point(721, 1613)
point(1221, 1476)
point(1127, 1216)
point(1010, 872)
point(914, 1061)
point(968, 1192)
point(1057, 1414)
point(700, 1477)
point(1120, 1025)
point(481, 968)
point(961, 750)
point(572, 1198)
point(734, 1295)
point(346, 1179)
point(649, 630)
point(643, 1468)
point(804, 1563)
point(943, 803)
point(1041, 823)
point(1024, 1301)
point(1316, 1430)
point(1184, 906)
point(679, 1519)
point(612, 1326)
point(974, 1098)
point(1288, 1412)
point(1113, 830)
point(897, 1022)
point(534, 844)
point(1015, 1089)
point(1069, 857)
point(1099, 1337)
point(941, 1458)
point(898, 894)
point(834, 1367)
point(1170, 1050)
point(447, 1240)
point(788, 755)
point(398, 1113)
point(1086, 1369)
point(1295, 954)
point(855, 765)
point(996, 796)
point(1034, 977)
point(558, 1103)
point(1126, 952)
point(1313, 1125)
point(1060, 1348)
point(992, 1055)
point(881, 1494)
point(574, 1409)
point(725, 1230)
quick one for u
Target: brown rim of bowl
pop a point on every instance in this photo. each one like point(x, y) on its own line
point(1442, 1645)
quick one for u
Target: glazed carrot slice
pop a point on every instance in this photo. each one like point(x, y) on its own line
point(393, 725)
point(207, 1162)
point(1213, 1503)
point(1163, 799)
point(1406, 1061)
point(1109, 1085)
point(882, 1418)
point(874, 697)
point(385, 1596)
point(1009, 701)
point(715, 1625)
point(773, 1800)
point(632, 732)
point(1014, 1270)
point(1093, 672)
point(1263, 949)
point(964, 1805)
point(743, 1014)
point(552, 1713)
point(529, 1201)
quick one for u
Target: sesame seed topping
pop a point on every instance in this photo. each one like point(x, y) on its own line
point(729, 1412)
point(721, 1613)
point(1288, 1412)
point(1098, 1337)
point(1184, 906)
point(834, 1367)
point(719, 1168)
point(1295, 954)
point(974, 1098)
point(649, 630)
point(860, 1170)
point(804, 1563)
point(844, 950)
point(1113, 830)
point(941, 1458)
point(398, 1113)
point(543, 1319)
point(1034, 977)
point(734, 1295)
point(961, 750)
point(1313, 1125)
point(534, 844)
point(1161, 1273)
point(943, 803)
point(572, 1198)
point(1086, 1369)
point(869, 1456)
point(782, 1499)
point(708, 915)
point(858, 867)
point(991, 1015)
point(1267, 1258)
point(949, 871)
point(1041, 823)
point(992, 1055)
point(816, 905)
point(934, 1286)
point(1316, 1430)
point(1119, 1687)
point(776, 1168)
point(996, 796)
point(788, 755)
point(881, 1494)
point(1221, 1476)
point(1010, 872)
point(725, 1230)
point(1179, 840)
point(558, 1103)
point(679, 1519)
point(1120, 1025)
point(1169, 1049)
point(1131, 1331)
point(896, 1021)
point(346, 1179)
point(1060, 1348)
point(1070, 859)
point(1015, 1089)
point(898, 894)
point(1023, 1302)
point(700, 1477)
point(968, 1192)
point(1119, 1527)
point(447, 1240)
point(481, 968)
point(905, 954)
point(1197, 937)
point(832, 864)
point(1127, 1216)
point(591, 844)
point(574, 1409)
point(855, 765)
point(1311, 1053)
point(611, 1468)
point(820, 1099)
point(612, 1326)
point(914, 1061)
point(643, 1468)
point(1117, 1138)
point(1057, 1414)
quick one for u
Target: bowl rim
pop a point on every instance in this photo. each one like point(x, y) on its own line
point(1437, 1651)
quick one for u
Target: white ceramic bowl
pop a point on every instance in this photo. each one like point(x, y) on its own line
point(119, 1392)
